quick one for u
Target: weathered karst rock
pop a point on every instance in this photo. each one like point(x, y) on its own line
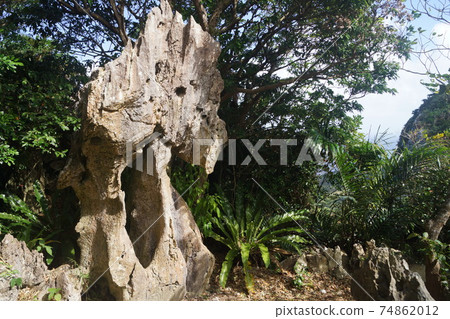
point(385, 275)
point(17, 261)
point(327, 260)
point(153, 101)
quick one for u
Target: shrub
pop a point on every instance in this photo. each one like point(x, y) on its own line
point(32, 227)
point(247, 229)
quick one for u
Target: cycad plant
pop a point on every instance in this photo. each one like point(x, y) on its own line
point(387, 196)
point(375, 192)
point(248, 230)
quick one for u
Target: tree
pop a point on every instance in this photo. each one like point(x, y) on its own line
point(39, 81)
point(430, 47)
point(281, 61)
point(434, 227)
point(438, 10)
point(345, 43)
point(36, 94)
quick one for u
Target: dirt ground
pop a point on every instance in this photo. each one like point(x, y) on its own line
point(277, 285)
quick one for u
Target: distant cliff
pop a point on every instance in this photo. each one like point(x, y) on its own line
point(431, 118)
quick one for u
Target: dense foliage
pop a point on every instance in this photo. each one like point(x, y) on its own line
point(280, 61)
point(34, 228)
point(247, 226)
point(292, 70)
point(36, 95)
point(384, 195)
point(39, 81)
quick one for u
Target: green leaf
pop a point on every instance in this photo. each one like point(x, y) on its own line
point(15, 218)
point(15, 282)
point(245, 254)
point(226, 266)
point(265, 254)
point(53, 294)
point(412, 235)
point(49, 250)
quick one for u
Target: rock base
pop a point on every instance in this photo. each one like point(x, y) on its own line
point(17, 261)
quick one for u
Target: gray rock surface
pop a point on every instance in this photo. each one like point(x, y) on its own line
point(420, 269)
point(29, 264)
point(161, 94)
point(330, 260)
point(385, 275)
point(17, 261)
point(338, 262)
point(6, 292)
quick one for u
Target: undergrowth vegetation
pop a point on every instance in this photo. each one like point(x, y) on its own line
point(37, 228)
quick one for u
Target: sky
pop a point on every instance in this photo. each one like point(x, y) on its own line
point(391, 112)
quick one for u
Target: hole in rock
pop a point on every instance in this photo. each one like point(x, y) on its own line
point(66, 205)
point(180, 91)
point(143, 204)
point(158, 67)
point(99, 292)
point(96, 140)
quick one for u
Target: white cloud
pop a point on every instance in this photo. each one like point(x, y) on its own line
point(442, 34)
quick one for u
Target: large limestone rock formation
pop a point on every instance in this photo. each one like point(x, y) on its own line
point(154, 100)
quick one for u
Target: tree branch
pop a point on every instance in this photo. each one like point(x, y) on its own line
point(77, 8)
point(214, 20)
point(202, 14)
point(120, 21)
point(263, 88)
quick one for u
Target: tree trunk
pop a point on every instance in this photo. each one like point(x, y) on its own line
point(432, 266)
